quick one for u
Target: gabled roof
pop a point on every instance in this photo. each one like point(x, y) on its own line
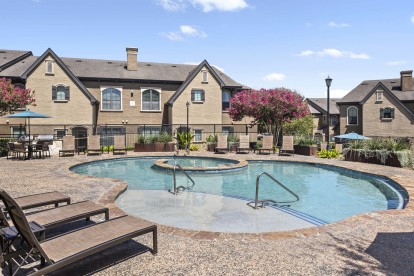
point(359, 93)
point(64, 68)
point(10, 57)
point(192, 75)
point(320, 105)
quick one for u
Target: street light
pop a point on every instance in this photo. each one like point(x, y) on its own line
point(328, 81)
point(186, 145)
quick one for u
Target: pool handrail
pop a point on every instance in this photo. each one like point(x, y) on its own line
point(177, 189)
point(256, 201)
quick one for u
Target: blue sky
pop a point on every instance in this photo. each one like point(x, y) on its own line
point(260, 43)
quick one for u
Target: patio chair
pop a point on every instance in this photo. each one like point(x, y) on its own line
point(20, 150)
point(68, 146)
point(10, 150)
point(287, 146)
point(119, 145)
point(94, 144)
point(43, 148)
point(221, 144)
point(71, 247)
point(267, 144)
point(244, 144)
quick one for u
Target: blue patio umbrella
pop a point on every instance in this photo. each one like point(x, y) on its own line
point(352, 136)
point(27, 115)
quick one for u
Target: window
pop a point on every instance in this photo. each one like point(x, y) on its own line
point(111, 99)
point(60, 92)
point(107, 134)
point(334, 121)
point(60, 133)
point(149, 130)
point(49, 67)
point(352, 115)
point(198, 135)
point(324, 118)
point(225, 100)
point(227, 130)
point(379, 95)
point(150, 100)
point(197, 95)
point(387, 113)
point(205, 76)
point(18, 131)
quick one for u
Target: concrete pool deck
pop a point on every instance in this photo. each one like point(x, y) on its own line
point(380, 243)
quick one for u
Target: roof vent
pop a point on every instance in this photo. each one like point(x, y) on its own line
point(392, 81)
point(109, 62)
point(2, 51)
point(148, 64)
point(5, 58)
point(78, 60)
point(364, 83)
point(173, 65)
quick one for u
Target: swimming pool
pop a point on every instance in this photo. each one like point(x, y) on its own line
point(327, 194)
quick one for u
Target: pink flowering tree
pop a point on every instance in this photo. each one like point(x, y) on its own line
point(12, 98)
point(269, 108)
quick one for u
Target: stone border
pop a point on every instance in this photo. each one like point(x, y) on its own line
point(239, 164)
point(108, 199)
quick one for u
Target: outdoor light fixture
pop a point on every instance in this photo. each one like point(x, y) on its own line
point(328, 81)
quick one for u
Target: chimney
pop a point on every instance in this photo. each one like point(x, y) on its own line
point(132, 59)
point(406, 80)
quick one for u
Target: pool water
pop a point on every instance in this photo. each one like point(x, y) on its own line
point(326, 193)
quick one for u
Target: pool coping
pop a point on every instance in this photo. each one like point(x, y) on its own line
point(109, 197)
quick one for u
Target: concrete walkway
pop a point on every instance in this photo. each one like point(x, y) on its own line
point(379, 243)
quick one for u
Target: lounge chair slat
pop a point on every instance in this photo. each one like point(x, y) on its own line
point(44, 199)
point(85, 239)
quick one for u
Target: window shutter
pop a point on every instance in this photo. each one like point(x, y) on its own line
point(392, 113)
point(192, 96)
point(98, 131)
point(202, 96)
point(382, 113)
point(123, 131)
point(67, 93)
point(54, 92)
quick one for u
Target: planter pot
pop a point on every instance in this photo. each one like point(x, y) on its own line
point(233, 147)
point(356, 156)
point(306, 150)
point(211, 147)
point(156, 147)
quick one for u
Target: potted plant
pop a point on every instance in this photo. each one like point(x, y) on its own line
point(211, 142)
point(184, 139)
point(154, 143)
point(305, 145)
point(233, 142)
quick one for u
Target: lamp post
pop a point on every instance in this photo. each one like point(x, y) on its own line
point(328, 81)
point(186, 145)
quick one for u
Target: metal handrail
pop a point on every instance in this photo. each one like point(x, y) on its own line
point(256, 201)
point(177, 189)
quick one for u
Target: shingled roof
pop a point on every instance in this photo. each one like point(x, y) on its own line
point(91, 69)
point(320, 105)
point(10, 57)
point(359, 93)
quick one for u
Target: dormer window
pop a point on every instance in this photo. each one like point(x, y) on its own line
point(197, 95)
point(205, 76)
point(387, 113)
point(379, 95)
point(60, 93)
point(49, 67)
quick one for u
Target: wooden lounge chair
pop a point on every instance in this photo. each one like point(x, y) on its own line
point(267, 144)
point(221, 144)
point(71, 247)
point(287, 146)
point(244, 143)
point(119, 145)
point(68, 146)
point(94, 144)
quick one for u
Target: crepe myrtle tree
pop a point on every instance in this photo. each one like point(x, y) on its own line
point(13, 97)
point(269, 108)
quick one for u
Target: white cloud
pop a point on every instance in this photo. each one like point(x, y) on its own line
point(306, 53)
point(412, 19)
point(335, 53)
point(338, 25)
point(338, 93)
point(172, 5)
point(395, 63)
point(192, 31)
point(205, 5)
point(173, 36)
point(274, 77)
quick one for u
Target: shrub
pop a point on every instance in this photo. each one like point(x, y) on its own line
point(211, 139)
point(304, 140)
point(165, 138)
point(141, 139)
point(194, 147)
point(332, 153)
point(129, 148)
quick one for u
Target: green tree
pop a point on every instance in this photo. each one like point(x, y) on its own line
point(299, 127)
point(12, 98)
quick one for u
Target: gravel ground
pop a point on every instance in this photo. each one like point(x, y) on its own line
point(376, 243)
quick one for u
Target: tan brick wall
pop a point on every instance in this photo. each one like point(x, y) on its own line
point(132, 114)
point(78, 110)
point(208, 112)
point(344, 128)
point(400, 126)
